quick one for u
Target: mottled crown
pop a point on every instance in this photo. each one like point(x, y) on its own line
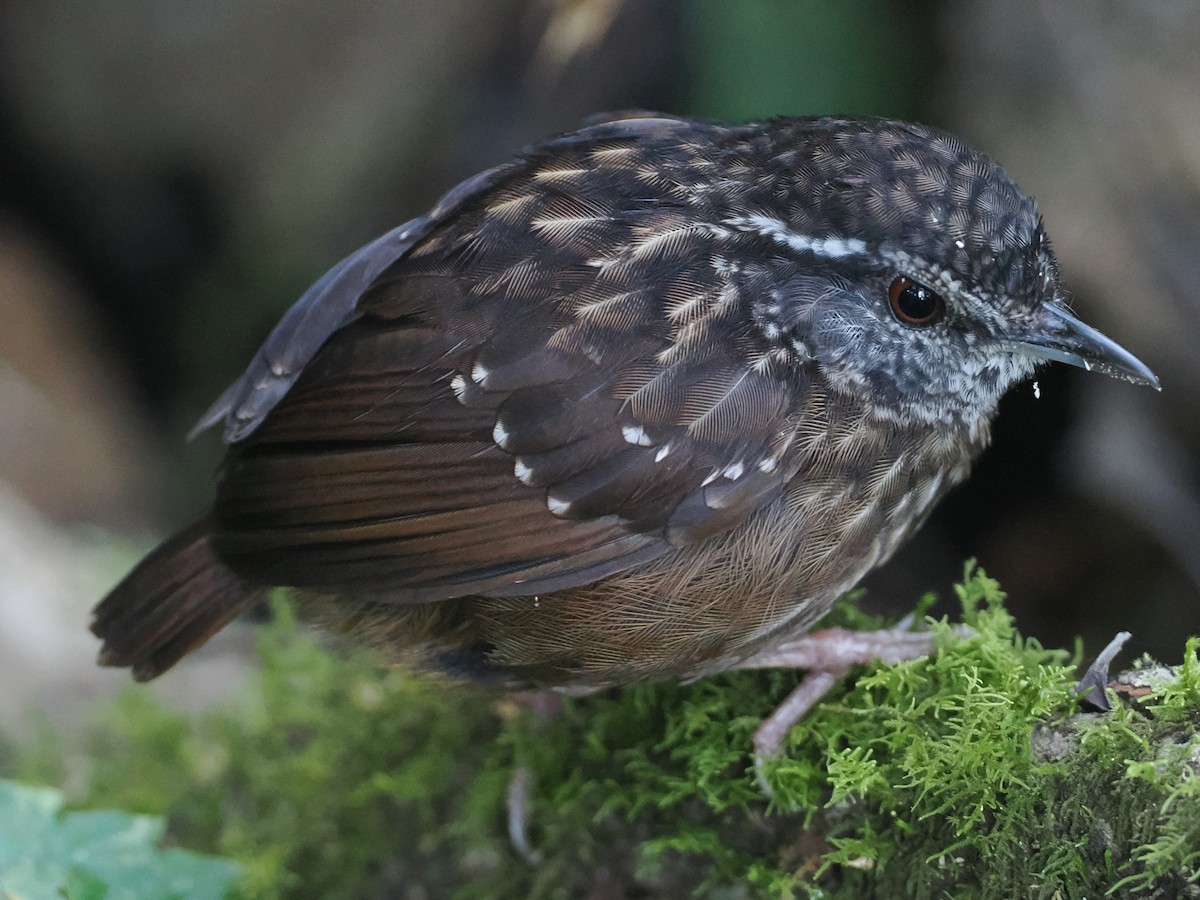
point(908, 187)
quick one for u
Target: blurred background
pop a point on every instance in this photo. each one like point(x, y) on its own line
point(172, 175)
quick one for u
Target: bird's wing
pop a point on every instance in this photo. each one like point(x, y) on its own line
point(331, 301)
point(558, 383)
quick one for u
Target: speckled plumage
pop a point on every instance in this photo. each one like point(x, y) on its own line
point(631, 406)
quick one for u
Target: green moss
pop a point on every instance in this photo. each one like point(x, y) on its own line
point(335, 778)
point(1171, 769)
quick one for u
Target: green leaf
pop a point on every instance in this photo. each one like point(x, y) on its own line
point(89, 855)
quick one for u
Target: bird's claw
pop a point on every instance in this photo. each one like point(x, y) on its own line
point(1091, 688)
point(828, 656)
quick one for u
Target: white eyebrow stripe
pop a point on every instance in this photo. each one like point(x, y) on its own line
point(778, 231)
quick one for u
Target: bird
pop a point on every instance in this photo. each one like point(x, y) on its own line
point(638, 404)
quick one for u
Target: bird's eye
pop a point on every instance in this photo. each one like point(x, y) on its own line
point(913, 303)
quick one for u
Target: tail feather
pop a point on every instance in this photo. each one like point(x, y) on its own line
point(176, 599)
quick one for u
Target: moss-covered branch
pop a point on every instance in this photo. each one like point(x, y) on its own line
point(967, 774)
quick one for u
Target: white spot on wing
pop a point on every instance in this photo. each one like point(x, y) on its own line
point(458, 384)
point(663, 452)
point(479, 373)
point(768, 465)
point(636, 435)
point(557, 506)
point(500, 433)
point(735, 471)
point(523, 472)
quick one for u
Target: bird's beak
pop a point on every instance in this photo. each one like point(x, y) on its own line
point(1061, 337)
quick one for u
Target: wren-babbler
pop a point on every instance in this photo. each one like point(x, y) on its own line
point(639, 404)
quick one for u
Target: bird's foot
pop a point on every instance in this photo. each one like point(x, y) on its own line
point(1092, 687)
point(828, 656)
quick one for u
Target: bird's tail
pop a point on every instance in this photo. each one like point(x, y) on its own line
point(176, 599)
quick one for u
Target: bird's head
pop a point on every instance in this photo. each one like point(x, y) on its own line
point(911, 268)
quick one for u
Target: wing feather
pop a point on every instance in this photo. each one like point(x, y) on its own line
point(551, 380)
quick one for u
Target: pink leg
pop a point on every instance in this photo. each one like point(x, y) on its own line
point(518, 815)
point(838, 649)
point(807, 694)
point(828, 656)
point(548, 705)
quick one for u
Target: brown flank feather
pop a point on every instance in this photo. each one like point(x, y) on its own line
point(173, 602)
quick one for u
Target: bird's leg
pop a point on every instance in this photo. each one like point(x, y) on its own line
point(517, 801)
point(548, 705)
point(795, 706)
point(827, 656)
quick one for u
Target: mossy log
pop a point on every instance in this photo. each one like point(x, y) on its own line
point(970, 773)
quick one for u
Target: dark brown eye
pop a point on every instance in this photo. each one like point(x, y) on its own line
point(913, 303)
